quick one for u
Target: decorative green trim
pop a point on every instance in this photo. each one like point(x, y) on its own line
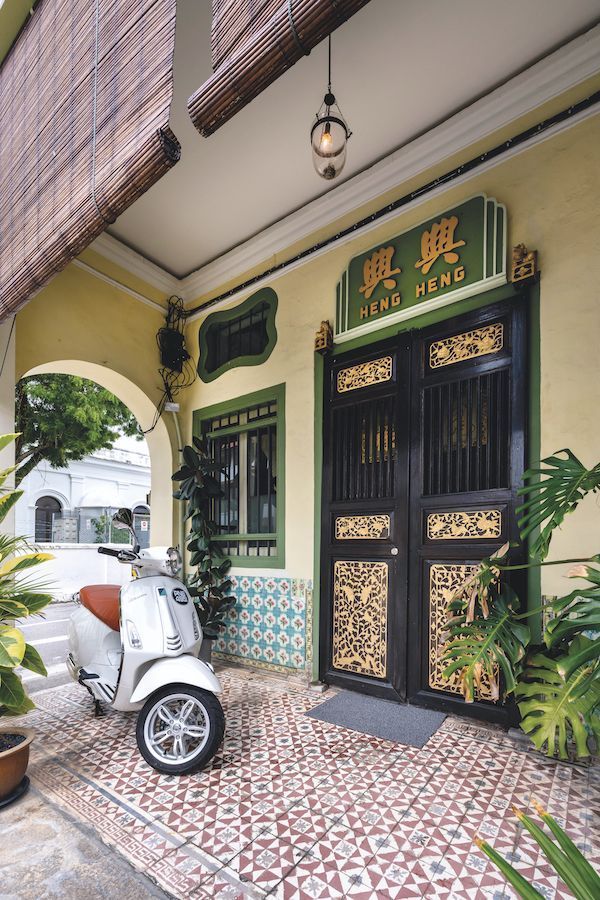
point(534, 576)
point(265, 295)
point(256, 398)
point(316, 599)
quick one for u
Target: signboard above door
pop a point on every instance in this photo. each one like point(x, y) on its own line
point(456, 254)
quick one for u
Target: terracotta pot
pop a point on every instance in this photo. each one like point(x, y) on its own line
point(14, 762)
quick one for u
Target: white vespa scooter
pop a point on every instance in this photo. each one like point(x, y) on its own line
point(136, 647)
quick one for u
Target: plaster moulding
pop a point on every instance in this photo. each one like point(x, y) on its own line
point(557, 73)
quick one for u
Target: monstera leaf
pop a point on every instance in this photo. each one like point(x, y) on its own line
point(552, 492)
point(556, 708)
point(486, 645)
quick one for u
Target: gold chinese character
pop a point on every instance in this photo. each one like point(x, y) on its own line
point(378, 269)
point(439, 242)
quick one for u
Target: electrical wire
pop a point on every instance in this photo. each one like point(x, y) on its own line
point(182, 371)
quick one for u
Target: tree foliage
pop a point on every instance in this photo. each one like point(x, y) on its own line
point(62, 418)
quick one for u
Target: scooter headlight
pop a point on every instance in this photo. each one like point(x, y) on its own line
point(173, 560)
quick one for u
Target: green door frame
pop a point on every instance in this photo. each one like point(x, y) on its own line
point(530, 295)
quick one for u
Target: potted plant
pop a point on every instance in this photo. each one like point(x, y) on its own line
point(557, 686)
point(209, 585)
point(19, 597)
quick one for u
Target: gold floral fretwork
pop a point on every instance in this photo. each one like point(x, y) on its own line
point(353, 528)
point(444, 580)
point(468, 345)
point(360, 594)
point(376, 371)
point(479, 524)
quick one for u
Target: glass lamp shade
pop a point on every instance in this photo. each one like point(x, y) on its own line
point(329, 137)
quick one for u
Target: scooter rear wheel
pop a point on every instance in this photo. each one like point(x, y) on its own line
point(179, 729)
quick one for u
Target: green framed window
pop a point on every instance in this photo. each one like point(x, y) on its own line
point(247, 441)
point(242, 336)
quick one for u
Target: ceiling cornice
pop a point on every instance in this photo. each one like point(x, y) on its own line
point(557, 73)
point(136, 264)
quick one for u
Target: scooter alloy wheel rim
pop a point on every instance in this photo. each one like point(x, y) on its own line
point(177, 729)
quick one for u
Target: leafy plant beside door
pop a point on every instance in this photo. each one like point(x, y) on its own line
point(557, 687)
point(209, 585)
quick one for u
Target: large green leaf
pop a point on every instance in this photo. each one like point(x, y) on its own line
point(26, 706)
point(576, 612)
point(4, 473)
point(552, 492)
point(24, 561)
point(12, 646)
point(11, 689)
point(34, 601)
point(33, 661)
point(554, 708)
point(476, 648)
point(7, 501)
point(11, 608)
point(6, 439)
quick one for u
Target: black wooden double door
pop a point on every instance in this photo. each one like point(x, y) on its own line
point(424, 448)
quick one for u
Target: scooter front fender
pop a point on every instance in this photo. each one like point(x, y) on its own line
point(179, 670)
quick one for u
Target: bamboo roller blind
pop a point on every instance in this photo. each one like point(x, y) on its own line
point(253, 42)
point(84, 108)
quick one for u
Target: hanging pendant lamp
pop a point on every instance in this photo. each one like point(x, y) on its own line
point(329, 134)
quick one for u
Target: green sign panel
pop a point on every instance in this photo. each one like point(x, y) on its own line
point(458, 253)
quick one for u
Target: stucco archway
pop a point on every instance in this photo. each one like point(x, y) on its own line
point(159, 441)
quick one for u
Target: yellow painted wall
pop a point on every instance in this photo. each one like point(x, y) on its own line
point(552, 193)
point(80, 325)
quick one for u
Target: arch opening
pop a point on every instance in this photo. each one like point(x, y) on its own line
point(159, 443)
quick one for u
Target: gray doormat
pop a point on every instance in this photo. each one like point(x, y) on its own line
point(380, 718)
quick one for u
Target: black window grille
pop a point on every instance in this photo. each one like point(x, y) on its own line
point(244, 445)
point(244, 335)
point(467, 434)
point(364, 450)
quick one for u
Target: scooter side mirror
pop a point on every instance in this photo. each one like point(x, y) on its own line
point(123, 518)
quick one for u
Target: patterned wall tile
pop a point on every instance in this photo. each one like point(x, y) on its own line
point(270, 623)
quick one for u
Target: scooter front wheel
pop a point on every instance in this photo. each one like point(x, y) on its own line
point(179, 729)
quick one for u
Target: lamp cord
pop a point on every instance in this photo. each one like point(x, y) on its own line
point(329, 63)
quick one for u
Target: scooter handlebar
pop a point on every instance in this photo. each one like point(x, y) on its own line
point(121, 555)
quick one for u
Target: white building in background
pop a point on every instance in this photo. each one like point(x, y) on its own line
point(73, 505)
point(69, 511)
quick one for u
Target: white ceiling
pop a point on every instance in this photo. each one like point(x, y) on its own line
point(399, 67)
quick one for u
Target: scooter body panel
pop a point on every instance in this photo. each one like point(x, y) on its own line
point(96, 648)
point(182, 670)
point(158, 622)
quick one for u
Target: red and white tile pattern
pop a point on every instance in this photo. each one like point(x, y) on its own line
point(295, 808)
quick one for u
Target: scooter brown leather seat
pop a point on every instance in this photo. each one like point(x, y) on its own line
point(102, 600)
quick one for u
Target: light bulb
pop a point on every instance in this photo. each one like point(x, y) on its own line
point(326, 140)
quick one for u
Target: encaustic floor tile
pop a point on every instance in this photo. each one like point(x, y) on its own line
point(295, 808)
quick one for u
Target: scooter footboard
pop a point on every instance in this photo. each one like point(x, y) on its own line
point(180, 670)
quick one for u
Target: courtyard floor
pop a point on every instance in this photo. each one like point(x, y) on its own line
point(296, 808)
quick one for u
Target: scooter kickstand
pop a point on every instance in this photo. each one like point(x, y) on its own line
point(98, 711)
